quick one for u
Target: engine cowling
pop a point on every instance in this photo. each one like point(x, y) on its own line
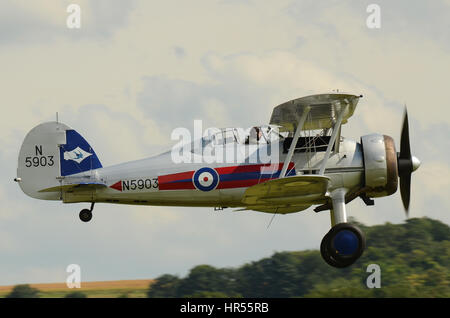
point(380, 165)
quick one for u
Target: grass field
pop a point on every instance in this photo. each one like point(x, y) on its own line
point(108, 289)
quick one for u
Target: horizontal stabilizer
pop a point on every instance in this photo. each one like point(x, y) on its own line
point(295, 189)
point(68, 187)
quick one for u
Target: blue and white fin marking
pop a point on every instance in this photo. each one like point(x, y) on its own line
point(77, 155)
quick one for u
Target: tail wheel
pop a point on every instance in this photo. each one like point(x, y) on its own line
point(342, 245)
point(85, 215)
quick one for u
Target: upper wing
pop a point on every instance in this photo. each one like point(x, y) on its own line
point(323, 113)
point(295, 189)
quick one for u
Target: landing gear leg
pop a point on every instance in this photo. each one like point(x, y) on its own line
point(86, 215)
point(344, 243)
point(338, 214)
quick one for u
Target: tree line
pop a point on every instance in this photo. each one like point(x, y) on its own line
point(26, 291)
point(414, 259)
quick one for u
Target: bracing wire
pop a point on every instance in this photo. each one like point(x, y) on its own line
point(271, 220)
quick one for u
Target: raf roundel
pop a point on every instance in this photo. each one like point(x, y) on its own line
point(205, 179)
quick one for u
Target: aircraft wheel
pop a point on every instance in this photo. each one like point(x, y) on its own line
point(85, 215)
point(324, 251)
point(342, 245)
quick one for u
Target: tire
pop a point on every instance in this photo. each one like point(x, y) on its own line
point(342, 245)
point(85, 215)
point(324, 251)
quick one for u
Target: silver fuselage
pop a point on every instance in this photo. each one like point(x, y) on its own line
point(345, 170)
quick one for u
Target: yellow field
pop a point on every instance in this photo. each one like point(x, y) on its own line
point(108, 289)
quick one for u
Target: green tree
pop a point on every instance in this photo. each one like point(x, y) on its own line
point(76, 294)
point(23, 291)
point(165, 286)
point(206, 278)
point(206, 294)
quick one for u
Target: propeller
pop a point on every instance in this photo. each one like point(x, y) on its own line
point(407, 164)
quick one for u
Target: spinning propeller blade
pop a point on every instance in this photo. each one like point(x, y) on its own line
point(407, 164)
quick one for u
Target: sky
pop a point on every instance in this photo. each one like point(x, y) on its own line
point(136, 70)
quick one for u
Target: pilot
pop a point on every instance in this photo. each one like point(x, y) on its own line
point(255, 135)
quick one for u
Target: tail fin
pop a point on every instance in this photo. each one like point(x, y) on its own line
point(49, 152)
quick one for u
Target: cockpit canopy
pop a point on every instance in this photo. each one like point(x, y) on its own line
point(255, 135)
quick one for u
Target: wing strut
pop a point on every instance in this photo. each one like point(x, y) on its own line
point(337, 143)
point(336, 129)
point(300, 124)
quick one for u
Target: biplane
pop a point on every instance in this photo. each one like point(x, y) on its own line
point(314, 165)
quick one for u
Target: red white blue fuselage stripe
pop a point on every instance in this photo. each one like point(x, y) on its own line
point(229, 177)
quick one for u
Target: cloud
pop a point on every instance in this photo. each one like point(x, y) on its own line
point(179, 52)
point(43, 21)
point(116, 135)
point(415, 17)
point(402, 64)
point(430, 185)
point(241, 91)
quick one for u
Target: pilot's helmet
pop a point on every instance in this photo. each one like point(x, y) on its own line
point(255, 133)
